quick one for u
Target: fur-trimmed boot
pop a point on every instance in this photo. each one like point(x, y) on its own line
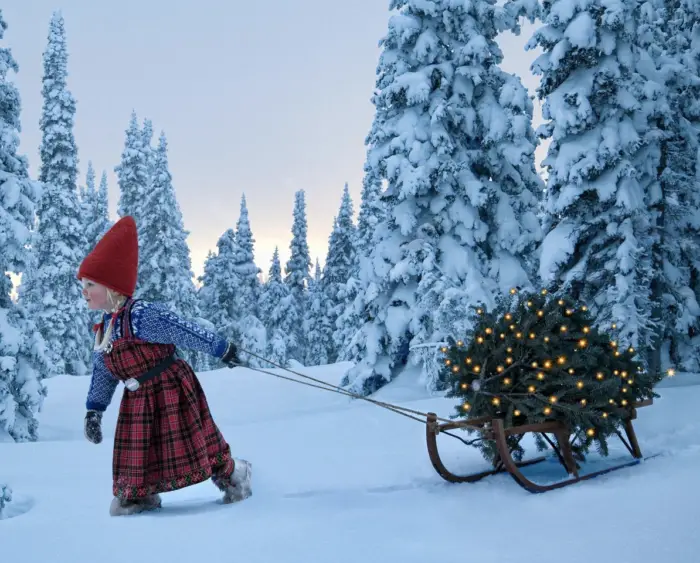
point(121, 507)
point(237, 487)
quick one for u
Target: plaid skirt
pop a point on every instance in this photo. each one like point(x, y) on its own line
point(166, 438)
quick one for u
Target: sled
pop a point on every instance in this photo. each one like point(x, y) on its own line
point(494, 429)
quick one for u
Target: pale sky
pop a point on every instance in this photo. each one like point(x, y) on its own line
point(262, 97)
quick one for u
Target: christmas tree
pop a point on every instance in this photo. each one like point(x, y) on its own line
point(538, 358)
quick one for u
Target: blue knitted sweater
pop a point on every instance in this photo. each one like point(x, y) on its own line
point(153, 323)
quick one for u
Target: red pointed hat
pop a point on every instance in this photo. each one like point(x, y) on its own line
point(114, 261)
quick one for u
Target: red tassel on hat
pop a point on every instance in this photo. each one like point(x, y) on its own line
point(115, 259)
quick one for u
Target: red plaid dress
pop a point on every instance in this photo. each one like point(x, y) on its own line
point(166, 438)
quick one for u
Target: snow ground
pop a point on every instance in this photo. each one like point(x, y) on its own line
point(337, 481)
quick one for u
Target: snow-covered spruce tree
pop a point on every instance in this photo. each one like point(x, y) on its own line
point(5, 498)
point(298, 273)
point(52, 295)
point(218, 295)
point(371, 214)
point(86, 194)
point(24, 360)
point(148, 149)
point(452, 138)
point(165, 272)
point(601, 106)
point(251, 330)
point(317, 327)
point(133, 175)
point(675, 43)
point(340, 261)
point(95, 208)
point(101, 221)
point(279, 314)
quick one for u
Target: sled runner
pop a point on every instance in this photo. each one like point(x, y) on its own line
point(493, 429)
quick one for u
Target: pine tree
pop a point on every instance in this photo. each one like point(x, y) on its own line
point(133, 175)
point(251, 330)
point(5, 498)
point(675, 44)
point(147, 140)
point(165, 265)
point(95, 209)
point(602, 108)
point(317, 326)
point(340, 261)
point(24, 361)
point(297, 272)
point(218, 295)
point(371, 215)
point(461, 190)
point(52, 295)
point(279, 314)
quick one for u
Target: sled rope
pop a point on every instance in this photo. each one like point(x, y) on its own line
point(334, 388)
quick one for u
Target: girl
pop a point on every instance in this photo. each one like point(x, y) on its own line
point(165, 438)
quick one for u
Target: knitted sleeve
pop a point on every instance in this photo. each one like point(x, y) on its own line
point(154, 323)
point(102, 385)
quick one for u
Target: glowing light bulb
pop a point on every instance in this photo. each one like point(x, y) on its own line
point(477, 369)
point(547, 410)
point(540, 376)
point(507, 381)
point(548, 364)
point(540, 313)
point(563, 328)
point(516, 412)
point(489, 330)
point(534, 364)
point(671, 372)
point(455, 369)
point(466, 406)
point(583, 343)
point(586, 330)
point(499, 369)
point(468, 361)
point(599, 376)
point(579, 384)
point(590, 432)
point(496, 401)
point(509, 360)
point(531, 389)
point(553, 399)
point(561, 302)
point(583, 402)
point(532, 336)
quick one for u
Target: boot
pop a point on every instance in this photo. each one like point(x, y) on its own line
point(238, 488)
point(122, 507)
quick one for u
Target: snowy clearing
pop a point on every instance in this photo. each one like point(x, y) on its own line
point(337, 480)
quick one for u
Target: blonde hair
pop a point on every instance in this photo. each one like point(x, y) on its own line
point(116, 300)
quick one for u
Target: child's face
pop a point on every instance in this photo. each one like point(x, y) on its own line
point(95, 295)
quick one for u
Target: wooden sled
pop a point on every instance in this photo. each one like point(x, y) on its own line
point(493, 429)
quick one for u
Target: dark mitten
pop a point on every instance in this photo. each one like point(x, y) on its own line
point(230, 357)
point(93, 426)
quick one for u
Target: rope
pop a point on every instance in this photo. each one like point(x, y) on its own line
point(334, 388)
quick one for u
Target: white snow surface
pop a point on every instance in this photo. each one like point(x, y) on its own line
point(340, 480)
